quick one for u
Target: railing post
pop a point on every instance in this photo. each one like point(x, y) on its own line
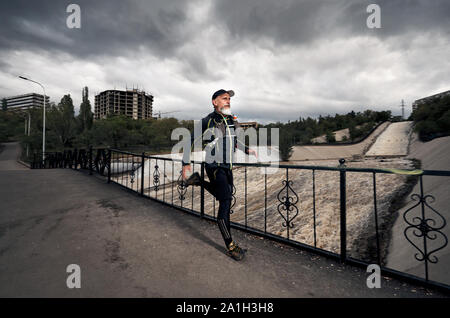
point(109, 165)
point(90, 160)
point(202, 191)
point(142, 173)
point(343, 212)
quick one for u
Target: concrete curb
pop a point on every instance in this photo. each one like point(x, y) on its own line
point(24, 163)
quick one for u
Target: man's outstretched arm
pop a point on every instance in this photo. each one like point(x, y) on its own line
point(243, 147)
point(186, 161)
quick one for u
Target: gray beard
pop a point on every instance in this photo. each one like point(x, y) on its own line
point(226, 111)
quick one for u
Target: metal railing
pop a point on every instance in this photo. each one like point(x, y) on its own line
point(275, 208)
point(91, 159)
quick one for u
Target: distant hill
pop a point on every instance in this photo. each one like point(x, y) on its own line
point(352, 127)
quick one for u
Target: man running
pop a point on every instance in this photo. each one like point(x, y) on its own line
point(221, 126)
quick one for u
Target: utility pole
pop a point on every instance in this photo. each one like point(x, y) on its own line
point(403, 109)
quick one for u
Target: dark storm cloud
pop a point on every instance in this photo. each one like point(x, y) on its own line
point(301, 22)
point(4, 65)
point(112, 27)
point(161, 28)
point(284, 58)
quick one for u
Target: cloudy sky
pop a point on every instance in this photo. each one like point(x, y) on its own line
point(284, 58)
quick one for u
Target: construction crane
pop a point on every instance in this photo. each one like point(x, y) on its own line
point(159, 113)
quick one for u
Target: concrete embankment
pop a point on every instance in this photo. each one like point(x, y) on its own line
point(433, 155)
point(337, 151)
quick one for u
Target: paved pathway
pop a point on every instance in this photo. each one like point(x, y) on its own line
point(9, 153)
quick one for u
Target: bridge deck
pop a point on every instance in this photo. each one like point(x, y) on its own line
point(128, 246)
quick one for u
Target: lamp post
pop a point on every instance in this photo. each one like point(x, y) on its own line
point(43, 128)
point(29, 123)
point(27, 127)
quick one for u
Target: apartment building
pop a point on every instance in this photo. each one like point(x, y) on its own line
point(131, 102)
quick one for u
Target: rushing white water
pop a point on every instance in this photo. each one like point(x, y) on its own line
point(170, 169)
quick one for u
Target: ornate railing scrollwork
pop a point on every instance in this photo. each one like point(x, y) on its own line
point(426, 228)
point(287, 203)
point(233, 199)
point(181, 187)
point(133, 169)
point(156, 176)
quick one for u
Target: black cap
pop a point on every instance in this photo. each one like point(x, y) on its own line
point(222, 91)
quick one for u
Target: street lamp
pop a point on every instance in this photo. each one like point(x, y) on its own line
point(28, 127)
point(43, 129)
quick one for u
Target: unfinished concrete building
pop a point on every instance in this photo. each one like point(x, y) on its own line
point(132, 103)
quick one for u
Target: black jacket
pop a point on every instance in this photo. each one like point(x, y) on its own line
point(220, 131)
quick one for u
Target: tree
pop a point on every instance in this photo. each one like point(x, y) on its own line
point(4, 104)
point(383, 116)
point(285, 145)
point(85, 117)
point(330, 136)
point(62, 121)
point(444, 122)
point(352, 130)
point(11, 126)
point(355, 133)
point(432, 118)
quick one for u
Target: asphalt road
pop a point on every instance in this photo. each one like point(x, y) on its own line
point(129, 246)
